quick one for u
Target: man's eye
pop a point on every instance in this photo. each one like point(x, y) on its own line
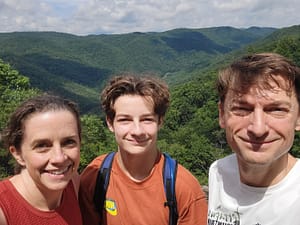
point(241, 111)
point(277, 112)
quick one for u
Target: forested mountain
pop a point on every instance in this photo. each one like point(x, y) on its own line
point(191, 132)
point(76, 66)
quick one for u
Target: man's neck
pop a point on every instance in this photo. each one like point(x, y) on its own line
point(266, 175)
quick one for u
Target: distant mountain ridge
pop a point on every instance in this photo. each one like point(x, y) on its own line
point(76, 66)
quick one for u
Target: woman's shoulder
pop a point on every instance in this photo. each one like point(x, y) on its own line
point(5, 186)
point(2, 218)
point(76, 183)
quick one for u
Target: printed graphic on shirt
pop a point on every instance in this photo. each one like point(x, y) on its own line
point(223, 217)
point(111, 207)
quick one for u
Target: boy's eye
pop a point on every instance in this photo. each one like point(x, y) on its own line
point(123, 120)
point(148, 119)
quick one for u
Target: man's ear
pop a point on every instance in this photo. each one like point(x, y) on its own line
point(221, 114)
point(110, 124)
point(17, 155)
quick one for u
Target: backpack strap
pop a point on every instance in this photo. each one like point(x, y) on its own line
point(169, 178)
point(102, 183)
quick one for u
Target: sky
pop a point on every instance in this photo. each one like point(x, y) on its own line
point(84, 17)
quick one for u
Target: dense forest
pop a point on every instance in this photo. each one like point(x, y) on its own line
point(190, 133)
point(77, 66)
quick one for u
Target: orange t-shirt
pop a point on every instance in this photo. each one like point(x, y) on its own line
point(142, 203)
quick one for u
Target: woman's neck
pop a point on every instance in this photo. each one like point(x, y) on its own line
point(45, 200)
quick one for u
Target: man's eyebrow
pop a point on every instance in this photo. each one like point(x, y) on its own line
point(239, 101)
point(280, 103)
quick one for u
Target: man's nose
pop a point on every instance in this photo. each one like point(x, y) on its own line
point(258, 123)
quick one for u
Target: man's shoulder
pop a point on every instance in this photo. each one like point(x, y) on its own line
point(227, 164)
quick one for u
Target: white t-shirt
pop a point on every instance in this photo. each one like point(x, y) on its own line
point(234, 203)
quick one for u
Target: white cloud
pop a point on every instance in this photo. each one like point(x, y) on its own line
point(122, 16)
point(233, 5)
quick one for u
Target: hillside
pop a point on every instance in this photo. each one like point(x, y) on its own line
point(191, 132)
point(76, 66)
point(285, 41)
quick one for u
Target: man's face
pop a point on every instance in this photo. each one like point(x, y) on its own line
point(260, 125)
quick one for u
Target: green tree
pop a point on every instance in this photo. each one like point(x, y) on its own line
point(14, 88)
point(96, 139)
point(289, 47)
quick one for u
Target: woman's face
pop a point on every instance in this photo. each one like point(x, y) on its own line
point(50, 149)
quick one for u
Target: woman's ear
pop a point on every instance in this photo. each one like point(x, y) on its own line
point(297, 127)
point(109, 124)
point(17, 155)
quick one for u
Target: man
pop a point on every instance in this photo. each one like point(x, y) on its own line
point(135, 108)
point(259, 109)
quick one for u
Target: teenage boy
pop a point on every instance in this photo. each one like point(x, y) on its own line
point(135, 107)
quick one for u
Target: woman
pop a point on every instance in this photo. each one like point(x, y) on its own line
point(43, 135)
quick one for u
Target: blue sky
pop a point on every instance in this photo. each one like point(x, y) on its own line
point(83, 17)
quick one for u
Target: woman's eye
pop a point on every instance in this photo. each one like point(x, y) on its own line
point(41, 147)
point(69, 142)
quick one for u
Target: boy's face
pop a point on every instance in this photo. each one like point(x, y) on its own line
point(260, 125)
point(135, 124)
